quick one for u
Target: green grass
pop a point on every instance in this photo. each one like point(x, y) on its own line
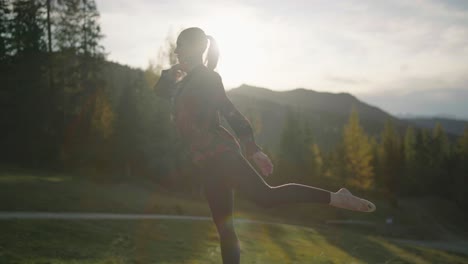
point(63, 193)
point(182, 241)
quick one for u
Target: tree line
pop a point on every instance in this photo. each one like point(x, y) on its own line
point(67, 108)
point(50, 59)
point(417, 163)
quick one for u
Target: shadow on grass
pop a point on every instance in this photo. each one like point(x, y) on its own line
point(375, 249)
point(285, 240)
point(94, 241)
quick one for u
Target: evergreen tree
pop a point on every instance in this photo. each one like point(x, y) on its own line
point(357, 154)
point(5, 36)
point(77, 65)
point(68, 26)
point(50, 6)
point(410, 145)
point(461, 174)
point(28, 27)
point(423, 163)
point(439, 156)
point(290, 148)
point(126, 130)
point(30, 131)
point(91, 30)
point(77, 28)
point(299, 158)
point(313, 157)
point(334, 169)
point(316, 161)
point(390, 161)
point(410, 180)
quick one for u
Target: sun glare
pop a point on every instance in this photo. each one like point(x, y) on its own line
point(242, 48)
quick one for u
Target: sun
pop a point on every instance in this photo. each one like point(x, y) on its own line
point(241, 45)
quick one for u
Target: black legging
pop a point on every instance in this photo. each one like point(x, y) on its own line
point(230, 171)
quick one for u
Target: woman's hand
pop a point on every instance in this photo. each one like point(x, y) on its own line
point(263, 162)
point(176, 72)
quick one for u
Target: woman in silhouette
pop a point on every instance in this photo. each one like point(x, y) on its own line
point(198, 99)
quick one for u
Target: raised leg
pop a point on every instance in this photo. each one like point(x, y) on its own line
point(239, 174)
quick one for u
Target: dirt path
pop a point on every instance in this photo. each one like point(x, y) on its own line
point(94, 216)
point(113, 216)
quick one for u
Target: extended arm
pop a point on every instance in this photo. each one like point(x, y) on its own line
point(239, 123)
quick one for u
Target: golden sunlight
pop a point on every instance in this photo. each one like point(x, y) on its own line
point(242, 46)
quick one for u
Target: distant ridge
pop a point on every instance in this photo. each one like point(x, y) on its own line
point(455, 126)
point(326, 113)
point(340, 103)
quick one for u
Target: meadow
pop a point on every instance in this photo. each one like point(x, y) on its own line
point(295, 234)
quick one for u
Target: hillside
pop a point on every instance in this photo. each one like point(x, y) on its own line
point(336, 103)
point(327, 113)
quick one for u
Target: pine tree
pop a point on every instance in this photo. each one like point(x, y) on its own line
point(334, 170)
point(439, 157)
point(290, 149)
point(410, 145)
point(423, 160)
point(26, 48)
point(317, 161)
point(390, 161)
point(126, 130)
point(77, 28)
point(68, 26)
point(313, 158)
point(441, 144)
point(5, 38)
point(357, 154)
point(78, 62)
point(91, 30)
point(461, 172)
point(299, 158)
point(28, 27)
point(410, 180)
point(50, 6)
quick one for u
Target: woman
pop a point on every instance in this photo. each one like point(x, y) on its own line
point(198, 98)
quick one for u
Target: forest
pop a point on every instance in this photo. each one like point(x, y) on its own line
point(66, 108)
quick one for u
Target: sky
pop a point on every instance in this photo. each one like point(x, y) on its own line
point(404, 56)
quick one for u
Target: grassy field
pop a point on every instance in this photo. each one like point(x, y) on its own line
point(183, 241)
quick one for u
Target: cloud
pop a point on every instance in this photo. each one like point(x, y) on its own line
point(423, 97)
point(364, 47)
point(346, 80)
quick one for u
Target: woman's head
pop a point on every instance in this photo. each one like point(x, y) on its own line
point(192, 43)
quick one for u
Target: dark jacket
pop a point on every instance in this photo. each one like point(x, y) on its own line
point(197, 102)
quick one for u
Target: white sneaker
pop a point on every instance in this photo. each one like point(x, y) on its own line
point(346, 200)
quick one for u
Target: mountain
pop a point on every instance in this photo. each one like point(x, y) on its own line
point(338, 103)
point(326, 113)
point(454, 126)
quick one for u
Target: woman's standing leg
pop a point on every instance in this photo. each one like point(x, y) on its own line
point(220, 200)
